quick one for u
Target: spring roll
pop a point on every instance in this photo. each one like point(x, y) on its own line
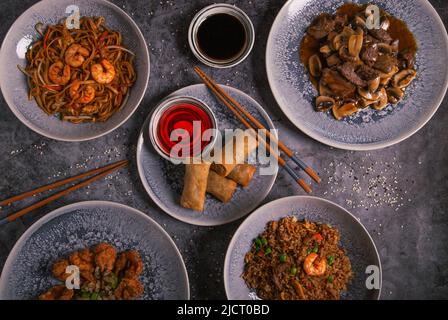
point(220, 187)
point(195, 186)
point(242, 174)
point(241, 146)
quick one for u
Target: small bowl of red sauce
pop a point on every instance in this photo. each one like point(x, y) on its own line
point(179, 128)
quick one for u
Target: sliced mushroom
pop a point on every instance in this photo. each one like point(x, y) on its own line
point(333, 60)
point(346, 110)
point(385, 24)
point(385, 81)
point(404, 78)
point(346, 56)
point(347, 32)
point(394, 70)
point(369, 95)
point(386, 77)
point(383, 101)
point(324, 103)
point(325, 49)
point(360, 21)
point(315, 66)
point(374, 84)
point(394, 95)
point(364, 103)
point(355, 45)
point(338, 42)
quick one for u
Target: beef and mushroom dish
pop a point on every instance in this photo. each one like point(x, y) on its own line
point(105, 274)
point(356, 64)
point(297, 260)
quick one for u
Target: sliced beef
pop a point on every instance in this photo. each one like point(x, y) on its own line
point(370, 54)
point(381, 35)
point(366, 73)
point(385, 63)
point(348, 71)
point(321, 27)
point(337, 84)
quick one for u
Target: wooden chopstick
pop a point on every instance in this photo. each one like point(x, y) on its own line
point(280, 160)
point(259, 125)
point(104, 171)
point(58, 184)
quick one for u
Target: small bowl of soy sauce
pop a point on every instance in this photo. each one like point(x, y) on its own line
point(221, 35)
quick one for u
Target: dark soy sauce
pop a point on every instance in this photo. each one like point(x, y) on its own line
point(221, 37)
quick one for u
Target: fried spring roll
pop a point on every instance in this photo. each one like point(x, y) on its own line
point(195, 186)
point(220, 187)
point(242, 174)
point(241, 146)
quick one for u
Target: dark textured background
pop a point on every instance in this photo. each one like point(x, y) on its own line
point(399, 193)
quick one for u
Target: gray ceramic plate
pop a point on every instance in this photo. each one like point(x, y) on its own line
point(13, 82)
point(368, 129)
point(164, 181)
point(354, 239)
point(27, 272)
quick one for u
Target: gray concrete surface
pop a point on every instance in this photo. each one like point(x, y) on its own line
point(400, 193)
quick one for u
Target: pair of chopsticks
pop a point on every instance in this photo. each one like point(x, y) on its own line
point(240, 112)
point(98, 174)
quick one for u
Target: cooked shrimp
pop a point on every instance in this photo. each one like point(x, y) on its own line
point(130, 263)
point(59, 270)
point(75, 55)
point(105, 256)
point(83, 259)
point(58, 292)
point(103, 72)
point(313, 265)
point(59, 73)
point(128, 289)
point(84, 96)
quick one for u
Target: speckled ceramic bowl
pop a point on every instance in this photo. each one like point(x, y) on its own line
point(27, 272)
point(164, 181)
point(354, 239)
point(369, 129)
point(14, 86)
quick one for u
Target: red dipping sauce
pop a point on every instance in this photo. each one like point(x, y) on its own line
point(180, 117)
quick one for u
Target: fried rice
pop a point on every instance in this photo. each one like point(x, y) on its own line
point(297, 260)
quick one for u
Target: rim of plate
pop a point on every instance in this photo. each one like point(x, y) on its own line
point(161, 205)
point(274, 203)
point(74, 206)
point(347, 146)
point(41, 132)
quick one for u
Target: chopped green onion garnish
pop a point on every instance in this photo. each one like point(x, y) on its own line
point(258, 242)
point(330, 260)
point(283, 257)
point(293, 270)
point(94, 296)
point(308, 251)
point(330, 279)
point(264, 242)
point(267, 251)
point(316, 249)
